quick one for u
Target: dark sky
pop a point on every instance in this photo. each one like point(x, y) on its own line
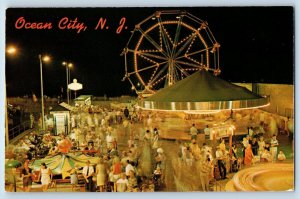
point(256, 46)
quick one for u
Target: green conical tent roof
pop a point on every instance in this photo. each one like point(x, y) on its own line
point(203, 91)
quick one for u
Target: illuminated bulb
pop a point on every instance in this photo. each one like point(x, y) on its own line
point(11, 50)
point(46, 58)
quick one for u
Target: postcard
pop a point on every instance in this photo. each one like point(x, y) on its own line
point(149, 99)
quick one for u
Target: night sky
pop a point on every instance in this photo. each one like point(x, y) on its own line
point(256, 46)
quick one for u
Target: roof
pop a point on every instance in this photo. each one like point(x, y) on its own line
point(67, 106)
point(83, 97)
point(203, 91)
point(63, 107)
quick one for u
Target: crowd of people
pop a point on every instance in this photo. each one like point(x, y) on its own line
point(96, 132)
point(130, 156)
point(214, 164)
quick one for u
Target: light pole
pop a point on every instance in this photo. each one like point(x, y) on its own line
point(46, 59)
point(68, 67)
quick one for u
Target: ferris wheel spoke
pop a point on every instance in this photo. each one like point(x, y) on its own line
point(164, 37)
point(186, 44)
point(184, 39)
point(152, 55)
point(193, 53)
point(147, 59)
point(152, 41)
point(155, 83)
point(182, 70)
point(162, 70)
point(143, 69)
point(177, 36)
point(188, 64)
point(199, 51)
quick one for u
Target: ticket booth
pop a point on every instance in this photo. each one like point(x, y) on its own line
point(61, 120)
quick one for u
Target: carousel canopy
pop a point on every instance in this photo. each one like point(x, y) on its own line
point(203, 91)
point(63, 163)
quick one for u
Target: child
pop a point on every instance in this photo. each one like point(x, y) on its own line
point(281, 157)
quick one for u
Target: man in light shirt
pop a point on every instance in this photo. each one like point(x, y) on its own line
point(88, 171)
point(221, 156)
point(193, 132)
point(207, 132)
point(122, 183)
point(128, 168)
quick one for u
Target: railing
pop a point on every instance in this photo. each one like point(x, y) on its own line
point(17, 130)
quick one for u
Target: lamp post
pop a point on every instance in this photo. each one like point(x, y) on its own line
point(68, 74)
point(46, 59)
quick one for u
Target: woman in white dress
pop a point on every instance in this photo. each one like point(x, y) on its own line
point(46, 176)
point(261, 145)
point(145, 159)
point(155, 139)
point(101, 174)
point(74, 176)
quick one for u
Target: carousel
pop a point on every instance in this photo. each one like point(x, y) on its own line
point(172, 63)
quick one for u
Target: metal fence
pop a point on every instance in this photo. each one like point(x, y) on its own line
point(17, 130)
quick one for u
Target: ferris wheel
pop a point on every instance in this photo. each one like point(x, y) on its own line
point(166, 47)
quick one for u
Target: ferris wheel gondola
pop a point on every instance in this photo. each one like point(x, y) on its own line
point(166, 47)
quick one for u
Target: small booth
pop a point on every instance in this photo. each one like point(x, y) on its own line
point(221, 131)
point(61, 119)
point(84, 100)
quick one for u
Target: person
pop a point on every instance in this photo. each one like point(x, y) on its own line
point(188, 157)
point(31, 121)
point(74, 176)
point(145, 158)
point(126, 113)
point(221, 156)
point(274, 144)
point(161, 161)
point(286, 129)
point(26, 176)
point(254, 147)
point(109, 139)
point(250, 131)
point(115, 144)
point(222, 145)
point(128, 168)
point(245, 144)
point(155, 139)
point(116, 169)
point(88, 172)
point(46, 176)
point(53, 150)
point(101, 174)
point(281, 156)
point(132, 181)
point(207, 132)
point(205, 172)
point(261, 145)
point(193, 132)
point(196, 152)
point(265, 156)
point(122, 183)
point(248, 155)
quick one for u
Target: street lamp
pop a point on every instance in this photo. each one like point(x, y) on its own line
point(68, 67)
point(43, 59)
point(11, 50)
